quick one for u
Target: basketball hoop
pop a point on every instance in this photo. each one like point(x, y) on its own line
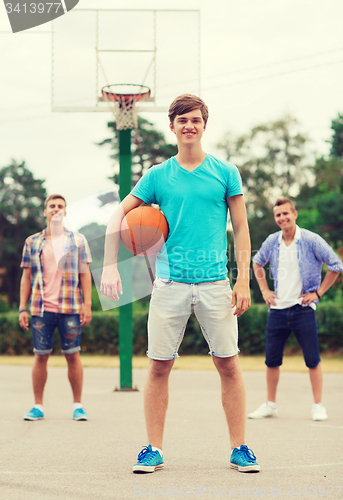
point(124, 97)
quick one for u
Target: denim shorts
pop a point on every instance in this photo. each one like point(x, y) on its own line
point(171, 305)
point(69, 329)
point(281, 323)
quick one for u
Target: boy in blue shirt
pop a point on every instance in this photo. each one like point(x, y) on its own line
point(194, 191)
point(296, 259)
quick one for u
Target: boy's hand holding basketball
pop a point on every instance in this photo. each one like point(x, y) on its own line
point(111, 282)
point(241, 297)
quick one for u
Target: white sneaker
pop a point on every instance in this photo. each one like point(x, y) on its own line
point(319, 412)
point(264, 411)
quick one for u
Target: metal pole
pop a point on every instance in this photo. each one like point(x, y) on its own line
point(125, 311)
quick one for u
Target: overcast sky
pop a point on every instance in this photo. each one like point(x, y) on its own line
point(260, 59)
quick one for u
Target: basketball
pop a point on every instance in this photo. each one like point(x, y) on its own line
point(144, 230)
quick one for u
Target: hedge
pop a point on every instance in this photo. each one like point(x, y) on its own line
point(101, 335)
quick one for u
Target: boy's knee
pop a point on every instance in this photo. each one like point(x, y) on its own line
point(160, 368)
point(312, 364)
point(227, 367)
point(41, 359)
point(72, 357)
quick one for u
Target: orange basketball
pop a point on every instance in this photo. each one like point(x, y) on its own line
point(144, 230)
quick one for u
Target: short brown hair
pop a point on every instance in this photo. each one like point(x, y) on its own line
point(184, 104)
point(54, 197)
point(282, 201)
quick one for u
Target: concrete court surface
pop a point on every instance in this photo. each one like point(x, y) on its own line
point(57, 458)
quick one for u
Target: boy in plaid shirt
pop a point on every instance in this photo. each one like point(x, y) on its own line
point(55, 277)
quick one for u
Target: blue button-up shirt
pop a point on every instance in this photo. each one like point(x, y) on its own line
point(312, 252)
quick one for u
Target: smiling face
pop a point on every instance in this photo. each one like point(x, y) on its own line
point(285, 217)
point(55, 210)
point(188, 128)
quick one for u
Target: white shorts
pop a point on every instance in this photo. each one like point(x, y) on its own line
point(171, 305)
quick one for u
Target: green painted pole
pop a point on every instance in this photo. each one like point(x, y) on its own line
point(125, 311)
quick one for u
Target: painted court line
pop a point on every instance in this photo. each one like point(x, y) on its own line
point(49, 473)
point(304, 466)
point(328, 425)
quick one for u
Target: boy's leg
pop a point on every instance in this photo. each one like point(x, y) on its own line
point(42, 334)
point(277, 333)
point(169, 311)
point(75, 375)
point(316, 377)
point(69, 328)
point(156, 399)
point(220, 329)
point(305, 330)
point(273, 376)
point(39, 376)
point(233, 397)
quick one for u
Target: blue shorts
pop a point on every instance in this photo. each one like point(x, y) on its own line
point(43, 328)
point(281, 323)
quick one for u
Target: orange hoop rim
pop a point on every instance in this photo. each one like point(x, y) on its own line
point(113, 93)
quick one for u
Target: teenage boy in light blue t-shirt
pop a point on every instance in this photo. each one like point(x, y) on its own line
point(194, 203)
point(194, 190)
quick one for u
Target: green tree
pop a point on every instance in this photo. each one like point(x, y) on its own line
point(320, 204)
point(21, 214)
point(337, 137)
point(321, 201)
point(148, 146)
point(320, 208)
point(272, 161)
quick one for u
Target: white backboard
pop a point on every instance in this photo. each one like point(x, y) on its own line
point(92, 48)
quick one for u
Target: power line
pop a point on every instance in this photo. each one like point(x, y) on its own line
point(273, 75)
point(277, 63)
point(24, 118)
point(262, 66)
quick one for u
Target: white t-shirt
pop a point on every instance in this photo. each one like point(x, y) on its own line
point(289, 278)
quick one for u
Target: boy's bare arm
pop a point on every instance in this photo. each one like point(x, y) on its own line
point(241, 290)
point(25, 292)
point(86, 287)
point(110, 280)
point(268, 295)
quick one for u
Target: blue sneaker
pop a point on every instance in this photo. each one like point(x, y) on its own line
point(80, 414)
point(148, 461)
point(34, 414)
point(244, 460)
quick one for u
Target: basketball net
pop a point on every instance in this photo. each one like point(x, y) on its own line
point(122, 99)
point(126, 114)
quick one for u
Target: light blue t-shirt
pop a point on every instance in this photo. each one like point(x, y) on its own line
point(194, 204)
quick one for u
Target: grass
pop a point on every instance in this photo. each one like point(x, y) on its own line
point(330, 363)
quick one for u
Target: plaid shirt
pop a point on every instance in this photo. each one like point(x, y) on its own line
point(312, 251)
point(75, 250)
